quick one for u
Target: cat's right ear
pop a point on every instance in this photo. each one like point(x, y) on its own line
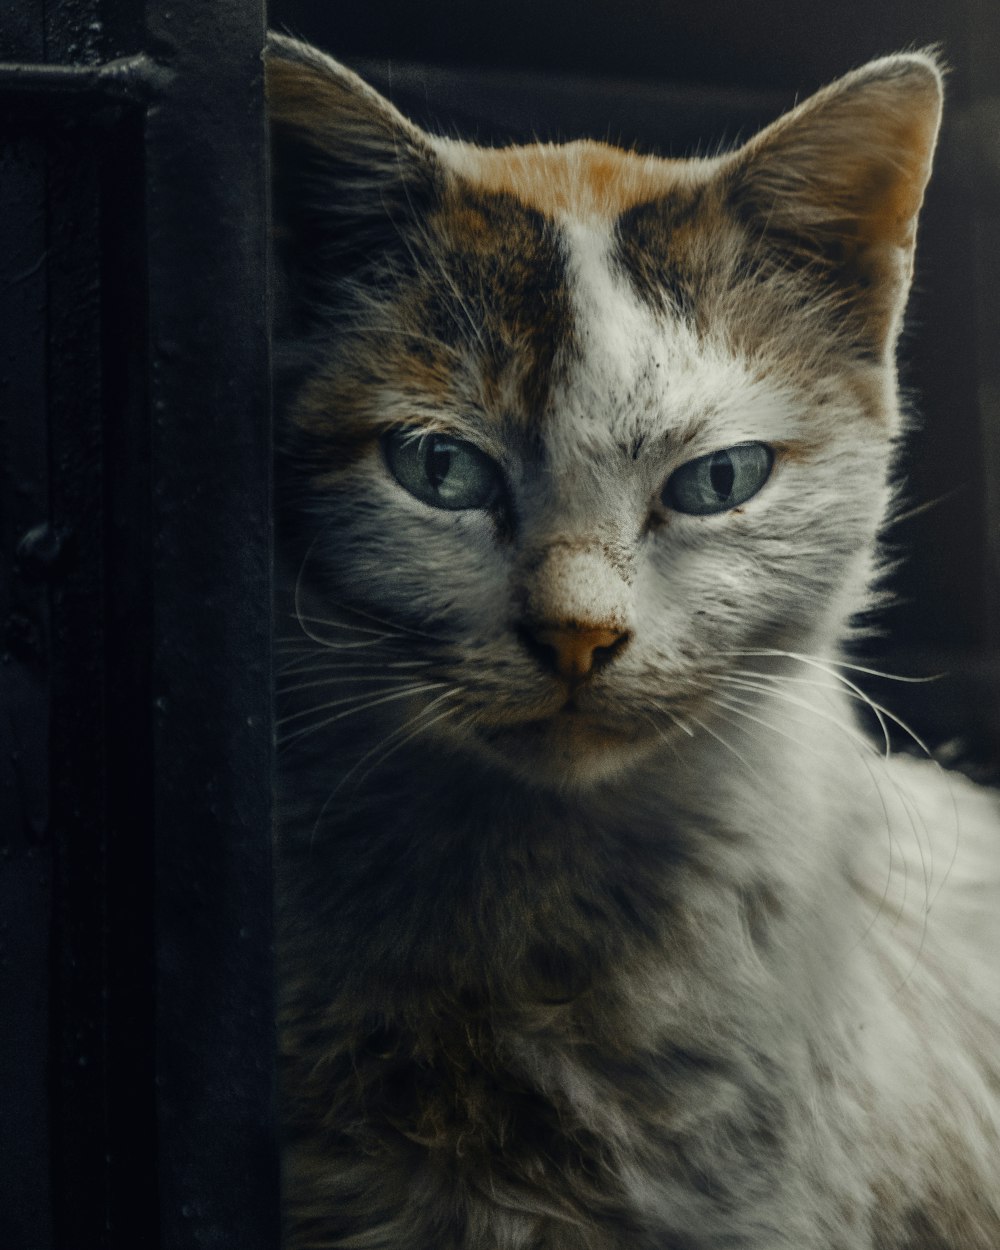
point(835, 186)
point(349, 173)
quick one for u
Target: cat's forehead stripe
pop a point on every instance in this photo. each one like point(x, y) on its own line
point(655, 245)
point(658, 212)
point(479, 326)
point(499, 286)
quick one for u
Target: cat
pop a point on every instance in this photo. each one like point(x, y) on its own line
point(604, 926)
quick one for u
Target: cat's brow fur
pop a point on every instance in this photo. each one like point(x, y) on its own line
point(687, 966)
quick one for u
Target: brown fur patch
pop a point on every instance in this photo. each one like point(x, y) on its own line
point(585, 178)
point(474, 322)
point(656, 244)
point(796, 451)
point(504, 291)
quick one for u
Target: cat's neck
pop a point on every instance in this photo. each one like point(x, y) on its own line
point(734, 830)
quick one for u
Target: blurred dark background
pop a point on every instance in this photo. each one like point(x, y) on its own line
point(677, 78)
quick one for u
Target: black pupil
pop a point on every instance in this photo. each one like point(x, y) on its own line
point(722, 474)
point(438, 461)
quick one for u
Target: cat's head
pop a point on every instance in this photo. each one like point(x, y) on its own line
point(573, 428)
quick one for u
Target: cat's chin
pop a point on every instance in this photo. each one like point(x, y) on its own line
point(569, 749)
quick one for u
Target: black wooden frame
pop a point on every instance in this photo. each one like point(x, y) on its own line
point(136, 994)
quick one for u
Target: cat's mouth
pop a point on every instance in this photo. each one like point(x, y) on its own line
point(573, 719)
point(570, 742)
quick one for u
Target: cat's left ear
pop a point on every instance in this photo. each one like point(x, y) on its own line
point(837, 184)
point(349, 172)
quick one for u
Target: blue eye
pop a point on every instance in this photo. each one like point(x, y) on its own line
point(442, 471)
point(720, 481)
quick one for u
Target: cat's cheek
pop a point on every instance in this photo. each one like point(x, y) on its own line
point(710, 594)
point(379, 547)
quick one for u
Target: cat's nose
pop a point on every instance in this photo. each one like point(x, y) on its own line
point(574, 651)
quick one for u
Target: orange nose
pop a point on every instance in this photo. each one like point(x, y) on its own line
point(572, 651)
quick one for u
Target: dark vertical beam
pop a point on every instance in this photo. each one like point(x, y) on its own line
point(60, 1158)
point(210, 586)
point(79, 737)
point(25, 545)
point(103, 1043)
point(25, 861)
point(135, 737)
point(128, 981)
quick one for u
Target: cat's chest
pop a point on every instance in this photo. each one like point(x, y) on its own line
point(562, 1141)
point(574, 1103)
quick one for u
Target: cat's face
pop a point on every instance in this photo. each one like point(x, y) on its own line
point(582, 429)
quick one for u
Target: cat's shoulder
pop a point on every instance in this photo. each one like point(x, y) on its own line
point(947, 795)
point(949, 843)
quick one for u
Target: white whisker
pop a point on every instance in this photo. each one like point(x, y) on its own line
point(419, 729)
point(314, 642)
point(409, 692)
point(315, 663)
point(388, 741)
point(337, 680)
point(728, 746)
point(884, 717)
point(354, 629)
point(659, 732)
point(861, 746)
point(738, 706)
point(740, 684)
point(777, 653)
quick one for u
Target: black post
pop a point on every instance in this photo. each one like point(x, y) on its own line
point(136, 1068)
point(210, 582)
